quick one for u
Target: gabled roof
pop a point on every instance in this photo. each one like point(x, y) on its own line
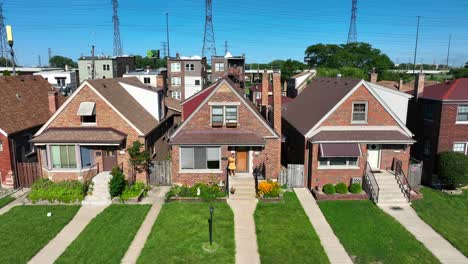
point(456, 90)
point(24, 102)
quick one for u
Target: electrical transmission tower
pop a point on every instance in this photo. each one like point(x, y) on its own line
point(4, 48)
point(352, 34)
point(164, 49)
point(209, 45)
point(115, 19)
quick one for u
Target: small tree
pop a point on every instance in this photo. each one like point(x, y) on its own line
point(139, 159)
point(453, 169)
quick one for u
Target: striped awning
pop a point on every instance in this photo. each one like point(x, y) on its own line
point(87, 109)
point(340, 150)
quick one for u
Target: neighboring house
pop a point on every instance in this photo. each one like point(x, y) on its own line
point(153, 77)
point(26, 70)
point(105, 67)
point(186, 76)
point(97, 124)
point(298, 82)
point(336, 126)
point(219, 121)
point(27, 102)
point(439, 119)
point(265, 90)
point(228, 66)
point(66, 81)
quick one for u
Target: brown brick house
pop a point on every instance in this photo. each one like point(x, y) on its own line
point(336, 126)
point(97, 124)
point(219, 121)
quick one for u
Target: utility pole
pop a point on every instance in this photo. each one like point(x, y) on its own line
point(416, 48)
point(3, 38)
point(448, 50)
point(39, 60)
point(167, 34)
point(352, 33)
point(49, 51)
point(92, 62)
point(164, 49)
point(225, 47)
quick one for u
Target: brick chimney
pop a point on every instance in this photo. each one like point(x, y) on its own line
point(265, 88)
point(418, 84)
point(53, 103)
point(277, 102)
point(373, 76)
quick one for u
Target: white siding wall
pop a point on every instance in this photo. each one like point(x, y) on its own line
point(397, 101)
point(148, 99)
point(190, 87)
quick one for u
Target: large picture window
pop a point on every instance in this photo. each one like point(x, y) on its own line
point(359, 112)
point(462, 115)
point(200, 158)
point(63, 156)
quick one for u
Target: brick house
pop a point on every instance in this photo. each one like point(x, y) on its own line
point(336, 126)
point(219, 121)
point(26, 103)
point(439, 118)
point(94, 128)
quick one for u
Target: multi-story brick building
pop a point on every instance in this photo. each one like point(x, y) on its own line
point(105, 67)
point(186, 76)
point(228, 66)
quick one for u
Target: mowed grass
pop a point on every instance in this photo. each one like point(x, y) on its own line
point(182, 228)
point(448, 215)
point(285, 234)
point(6, 200)
point(369, 235)
point(107, 237)
point(25, 230)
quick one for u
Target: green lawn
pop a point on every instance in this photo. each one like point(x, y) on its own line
point(107, 237)
point(6, 200)
point(369, 235)
point(24, 230)
point(182, 228)
point(448, 215)
point(285, 234)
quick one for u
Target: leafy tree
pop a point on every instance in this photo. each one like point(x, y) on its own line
point(4, 62)
point(60, 62)
point(290, 67)
point(459, 73)
point(395, 76)
point(346, 72)
point(143, 62)
point(139, 159)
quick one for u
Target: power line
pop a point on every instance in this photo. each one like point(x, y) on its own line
point(115, 19)
point(209, 45)
point(167, 34)
point(448, 49)
point(416, 48)
point(352, 33)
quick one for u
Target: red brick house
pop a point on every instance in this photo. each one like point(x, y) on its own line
point(26, 103)
point(94, 128)
point(219, 121)
point(336, 126)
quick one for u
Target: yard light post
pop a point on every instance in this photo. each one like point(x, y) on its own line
point(210, 223)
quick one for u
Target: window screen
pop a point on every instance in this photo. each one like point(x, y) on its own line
point(186, 158)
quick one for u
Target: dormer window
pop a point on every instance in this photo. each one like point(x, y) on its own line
point(87, 113)
point(231, 115)
point(359, 114)
point(217, 116)
point(224, 115)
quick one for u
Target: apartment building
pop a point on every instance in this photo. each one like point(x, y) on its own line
point(105, 66)
point(228, 66)
point(186, 76)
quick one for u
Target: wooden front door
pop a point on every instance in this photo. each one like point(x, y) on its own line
point(109, 159)
point(242, 160)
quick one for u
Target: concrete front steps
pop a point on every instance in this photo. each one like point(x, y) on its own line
point(245, 187)
point(390, 192)
point(100, 194)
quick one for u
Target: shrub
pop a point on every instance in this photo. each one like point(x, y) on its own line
point(453, 169)
point(117, 183)
point(341, 188)
point(355, 188)
point(207, 192)
point(64, 191)
point(329, 188)
point(269, 189)
point(134, 190)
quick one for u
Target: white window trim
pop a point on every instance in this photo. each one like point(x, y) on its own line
point(339, 167)
point(456, 118)
point(188, 68)
point(224, 106)
point(366, 112)
point(174, 78)
point(465, 149)
point(218, 69)
point(173, 69)
point(220, 170)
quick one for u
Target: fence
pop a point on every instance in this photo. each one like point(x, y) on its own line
point(292, 176)
point(160, 173)
point(27, 173)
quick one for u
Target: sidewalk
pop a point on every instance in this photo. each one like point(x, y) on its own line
point(434, 242)
point(157, 199)
point(335, 251)
point(244, 229)
point(20, 197)
point(70, 232)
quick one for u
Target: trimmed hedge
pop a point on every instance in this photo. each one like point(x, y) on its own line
point(355, 188)
point(329, 189)
point(453, 169)
point(64, 191)
point(341, 188)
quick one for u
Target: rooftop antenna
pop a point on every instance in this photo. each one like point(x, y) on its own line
point(115, 19)
point(209, 45)
point(448, 50)
point(352, 33)
point(416, 47)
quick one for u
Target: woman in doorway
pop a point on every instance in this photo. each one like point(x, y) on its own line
point(232, 164)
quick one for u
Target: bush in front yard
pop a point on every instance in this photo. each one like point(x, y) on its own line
point(329, 189)
point(207, 192)
point(355, 188)
point(453, 169)
point(64, 191)
point(117, 183)
point(134, 190)
point(341, 188)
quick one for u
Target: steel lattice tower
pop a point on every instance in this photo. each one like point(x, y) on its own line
point(4, 48)
point(209, 45)
point(115, 19)
point(352, 34)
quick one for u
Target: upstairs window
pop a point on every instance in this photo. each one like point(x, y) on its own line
point(87, 113)
point(175, 67)
point(189, 67)
point(175, 81)
point(217, 116)
point(219, 67)
point(359, 114)
point(1, 146)
point(224, 115)
point(231, 115)
point(428, 111)
point(197, 82)
point(462, 115)
point(176, 95)
point(146, 80)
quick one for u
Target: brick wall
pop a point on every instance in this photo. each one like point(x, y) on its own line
point(5, 161)
point(401, 152)
point(450, 132)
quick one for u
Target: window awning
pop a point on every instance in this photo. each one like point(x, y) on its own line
point(340, 150)
point(87, 109)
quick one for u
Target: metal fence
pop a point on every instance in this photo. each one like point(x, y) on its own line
point(292, 176)
point(160, 173)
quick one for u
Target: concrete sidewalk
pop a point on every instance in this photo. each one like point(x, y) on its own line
point(70, 232)
point(157, 199)
point(335, 251)
point(434, 242)
point(20, 199)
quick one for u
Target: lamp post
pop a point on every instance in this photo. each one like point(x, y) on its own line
point(210, 224)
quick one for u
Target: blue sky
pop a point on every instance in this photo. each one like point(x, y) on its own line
point(263, 30)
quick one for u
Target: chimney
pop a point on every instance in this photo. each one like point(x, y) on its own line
point(53, 101)
point(373, 76)
point(400, 85)
point(277, 102)
point(66, 67)
point(419, 84)
point(160, 81)
point(265, 88)
point(148, 68)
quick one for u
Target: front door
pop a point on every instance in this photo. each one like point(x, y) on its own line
point(373, 156)
point(109, 159)
point(242, 159)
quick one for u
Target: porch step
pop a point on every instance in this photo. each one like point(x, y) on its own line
point(100, 193)
point(389, 190)
point(245, 188)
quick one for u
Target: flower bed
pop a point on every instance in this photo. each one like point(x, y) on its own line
point(269, 191)
point(197, 192)
point(133, 193)
point(47, 191)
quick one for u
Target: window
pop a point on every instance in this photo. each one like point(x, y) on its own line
point(1, 146)
point(28, 146)
point(189, 67)
point(459, 147)
point(462, 115)
point(106, 67)
point(219, 67)
point(175, 81)
point(88, 120)
point(359, 112)
point(175, 67)
point(197, 82)
point(427, 147)
point(231, 114)
point(86, 157)
point(258, 95)
point(338, 162)
point(63, 156)
point(175, 95)
point(217, 115)
point(200, 158)
point(146, 80)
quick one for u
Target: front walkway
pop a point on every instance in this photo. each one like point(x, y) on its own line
point(20, 196)
point(434, 242)
point(335, 251)
point(157, 199)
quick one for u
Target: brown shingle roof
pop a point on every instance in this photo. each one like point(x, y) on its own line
point(173, 104)
point(315, 101)
point(125, 103)
point(360, 136)
point(24, 102)
point(80, 135)
point(217, 137)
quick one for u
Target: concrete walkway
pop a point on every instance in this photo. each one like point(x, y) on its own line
point(244, 229)
point(20, 196)
point(70, 232)
point(434, 242)
point(335, 251)
point(157, 199)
